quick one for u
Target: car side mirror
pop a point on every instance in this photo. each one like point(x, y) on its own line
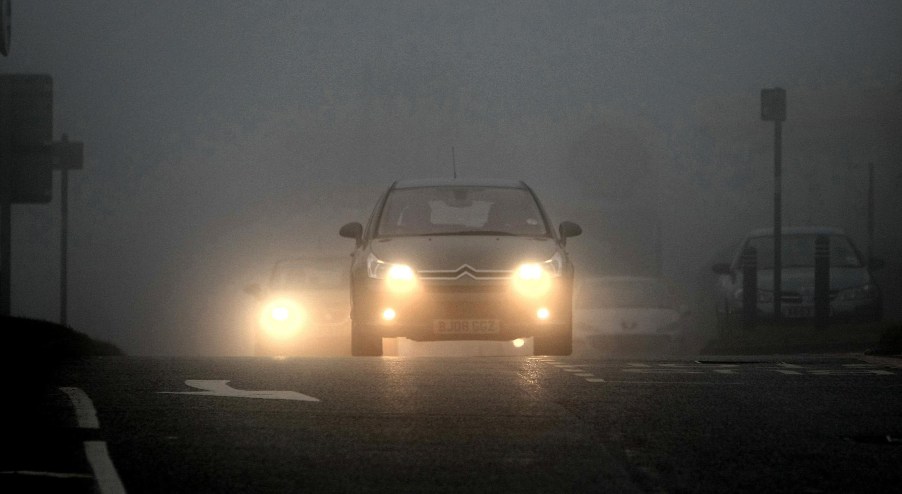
point(352, 230)
point(721, 268)
point(569, 229)
point(876, 263)
point(254, 289)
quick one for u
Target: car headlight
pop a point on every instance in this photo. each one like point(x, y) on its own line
point(863, 292)
point(282, 318)
point(398, 277)
point(533, 279)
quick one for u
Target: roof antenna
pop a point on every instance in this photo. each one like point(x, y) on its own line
point(453, 162)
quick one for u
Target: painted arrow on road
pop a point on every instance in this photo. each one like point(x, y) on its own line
point(222, 388)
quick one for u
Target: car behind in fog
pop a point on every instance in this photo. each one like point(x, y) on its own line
point(612, 312)
point(304, 308)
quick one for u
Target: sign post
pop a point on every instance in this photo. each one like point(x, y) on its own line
point(68, 156)
point(26, 157)
point(773, 108)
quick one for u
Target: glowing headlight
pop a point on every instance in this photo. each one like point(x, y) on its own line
point(531, 271)
point(533, 279)
point(400, 272)
point(282, 318)
point(399, 277)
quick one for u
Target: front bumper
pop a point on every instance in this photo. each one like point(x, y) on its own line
point(865, 310)
point(461, 310)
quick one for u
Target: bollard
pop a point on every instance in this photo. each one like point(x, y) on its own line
point(821, 281)
point(749, 288)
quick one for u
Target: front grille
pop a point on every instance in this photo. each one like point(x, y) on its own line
point(438, 288)
point(798, 298)
point(465, 271)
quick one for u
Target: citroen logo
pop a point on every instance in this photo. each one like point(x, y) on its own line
point(464, 270)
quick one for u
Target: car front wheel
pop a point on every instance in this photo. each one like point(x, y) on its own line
point(364, 344)
point(557, 343)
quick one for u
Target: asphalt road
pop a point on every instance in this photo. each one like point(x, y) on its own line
point(459, 424)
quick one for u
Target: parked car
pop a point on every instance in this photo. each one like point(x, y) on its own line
point(461, 260)
point(304, 308)
point(612, 310)
point(854, 295)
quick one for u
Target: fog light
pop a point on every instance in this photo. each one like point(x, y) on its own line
point(543, 313)
point(389, 314)
point(280, 313)
point(518, 343)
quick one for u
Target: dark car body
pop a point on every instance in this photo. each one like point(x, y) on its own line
point(854, 295)
point(461, 260)
point(303, 310)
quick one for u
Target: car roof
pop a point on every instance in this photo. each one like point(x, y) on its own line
point(798, 230)
point(466, 182)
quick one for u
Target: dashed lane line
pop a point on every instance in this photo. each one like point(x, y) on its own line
point(105, 475)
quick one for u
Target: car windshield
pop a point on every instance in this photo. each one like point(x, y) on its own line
point(309, 275)
point(625, 293)
point(455, 210)
point(798, 251)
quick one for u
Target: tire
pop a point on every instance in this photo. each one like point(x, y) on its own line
point(364, 344)
point(556, 344)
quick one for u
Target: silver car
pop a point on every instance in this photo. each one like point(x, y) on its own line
point(853, 293)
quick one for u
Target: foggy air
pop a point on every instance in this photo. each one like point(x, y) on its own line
point(223, 136)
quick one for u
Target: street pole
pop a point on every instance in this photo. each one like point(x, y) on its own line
point(773, 108)
point(870, 212)
point(6, 166)
point(64, 238)
point(778, 220)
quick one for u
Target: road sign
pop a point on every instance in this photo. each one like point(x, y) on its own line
point(773, 104)
point(30, 111)
point(4, 27)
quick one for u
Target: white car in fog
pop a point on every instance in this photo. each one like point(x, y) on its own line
point(644, 308)
point(304, 309)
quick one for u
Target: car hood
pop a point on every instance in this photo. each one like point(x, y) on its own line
point(626, 320)
point(801, 279)
point(450, 252)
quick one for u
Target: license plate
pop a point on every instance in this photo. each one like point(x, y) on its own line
point(466, 326)
point(799, 311)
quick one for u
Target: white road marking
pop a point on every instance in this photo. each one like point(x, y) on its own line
point(222, 388)
point(56, 475)
point(663, 370)
point(84, 408)
point(849, 372)
point(789, 366)
point(105, 475)
point(107, 479)
point(584, 374)
point(595, 380)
